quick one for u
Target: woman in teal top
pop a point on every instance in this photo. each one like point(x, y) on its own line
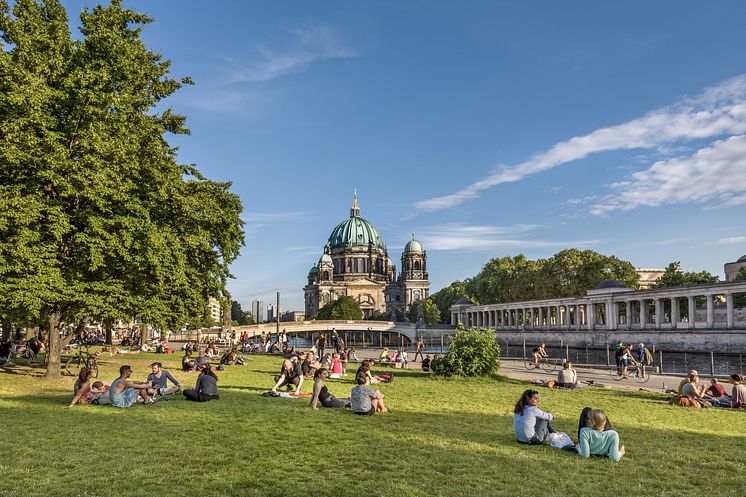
point(595, 441)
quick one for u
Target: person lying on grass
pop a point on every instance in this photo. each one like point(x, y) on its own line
point(595, 440)
point(290, 374)
point(125, 392)
point(530, 424)
point(159, 378)
point(321, 393)
point(365, 400)
point(206, 388)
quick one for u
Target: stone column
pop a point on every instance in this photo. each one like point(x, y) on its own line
point(541, 317)
point(675, 313)
point(692, 313)
point(579, 312)
point(643, 314)
point(658, 314)
point(591, 316)
point(568, 316)
point(710, 312)
point(557, 317)
point(613, 315)
point(630, 314)
point(729, 310)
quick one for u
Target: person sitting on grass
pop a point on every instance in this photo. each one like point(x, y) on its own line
point(716, 390)
point(692, 372)
point(530, 424)
point(321, 393)
point(124, 392)
point(337, 368)
point(693, 389)
point(365, 400)
point(595, 440)
point(290, 374)
point(384, 356)
point(310, 365)
point(426, 363)
point(365, 371)
point(159, 378)
point(231, 358)
point(201, 361)
point(187, 363)
point(738, 395)
point(206, 388)
point(212, 350)
point(567, 377)
point(100, 391)
point(352, 355)
point(82, 388)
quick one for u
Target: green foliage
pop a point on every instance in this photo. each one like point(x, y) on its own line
point(379, 316)
point(344, 308)
point(238, 316)
point(741, 275)
point(446, 297)
point(472, 352)
point(568, 273)
point(431, 313)
point(97, 217)
point(674, 276)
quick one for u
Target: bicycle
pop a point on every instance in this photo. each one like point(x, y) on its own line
point(544, 363)
point(82, 359)
point(641, 375)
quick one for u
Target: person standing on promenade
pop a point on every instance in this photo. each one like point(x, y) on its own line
point(420, 349)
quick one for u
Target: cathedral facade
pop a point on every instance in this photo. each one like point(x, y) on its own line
point(356, 263)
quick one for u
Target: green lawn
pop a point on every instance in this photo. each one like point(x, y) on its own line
point(445, 437)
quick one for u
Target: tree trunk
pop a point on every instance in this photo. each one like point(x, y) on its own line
point(109, 333)
point(7, 329)
point(55, 349)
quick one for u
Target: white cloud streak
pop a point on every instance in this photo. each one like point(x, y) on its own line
point(732, 240)
point(309, 45)
point(714, 173)
point(718, 111)
point(477, 238)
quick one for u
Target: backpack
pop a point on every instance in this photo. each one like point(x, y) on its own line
point(648, 357)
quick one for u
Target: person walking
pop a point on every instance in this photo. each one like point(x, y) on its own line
point(420, 349)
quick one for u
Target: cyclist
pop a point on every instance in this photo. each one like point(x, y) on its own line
point(539, 354)
point(626, 359)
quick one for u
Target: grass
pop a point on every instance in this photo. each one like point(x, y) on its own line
point(445, 437)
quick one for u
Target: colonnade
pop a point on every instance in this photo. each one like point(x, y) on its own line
point(615, 309)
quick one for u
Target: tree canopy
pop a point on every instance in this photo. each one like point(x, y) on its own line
point(567, 273)
point(238, 316)
point(674, 276)
point(344, 308)
point(97, 217)
point(430, 311)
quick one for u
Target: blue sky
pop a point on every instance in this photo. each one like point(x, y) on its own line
point(487, 128)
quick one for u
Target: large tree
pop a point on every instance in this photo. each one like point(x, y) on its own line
point(238, 316)
point(97, 217)
point(430, 312)
point(446, 297)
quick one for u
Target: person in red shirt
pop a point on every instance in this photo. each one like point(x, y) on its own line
point(715, 389)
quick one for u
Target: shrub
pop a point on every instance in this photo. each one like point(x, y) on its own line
point(472, 352)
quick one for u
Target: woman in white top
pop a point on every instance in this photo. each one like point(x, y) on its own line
point(531, 424)
point(567, 377)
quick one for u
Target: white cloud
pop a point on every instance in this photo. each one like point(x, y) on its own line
point(714, 173)
point(732, 240)
point(719, 111)
point(308, 46)
point(476, 238)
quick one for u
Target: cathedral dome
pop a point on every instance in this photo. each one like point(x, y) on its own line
point(326, 258)
point(413, 246)
point(355, 231)
point(314, 270)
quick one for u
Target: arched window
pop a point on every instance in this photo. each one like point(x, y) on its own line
point(417, 265)
point(326, 275)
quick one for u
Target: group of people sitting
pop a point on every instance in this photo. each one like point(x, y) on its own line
point(532, 426)
point(125, 392)
point(692, 393)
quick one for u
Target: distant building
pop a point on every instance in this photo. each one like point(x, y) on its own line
point(648, 277)
point(732, 268)
point(356, 264)
point(271, 313)
point(215, 310)
point(291, 316)
point(257, 310)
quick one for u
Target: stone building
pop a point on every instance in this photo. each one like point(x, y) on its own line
point(732, 268)
point(356, 263)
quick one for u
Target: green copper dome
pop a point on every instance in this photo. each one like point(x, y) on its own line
point(413, 246)
point(314, 270)
point(355, 231)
